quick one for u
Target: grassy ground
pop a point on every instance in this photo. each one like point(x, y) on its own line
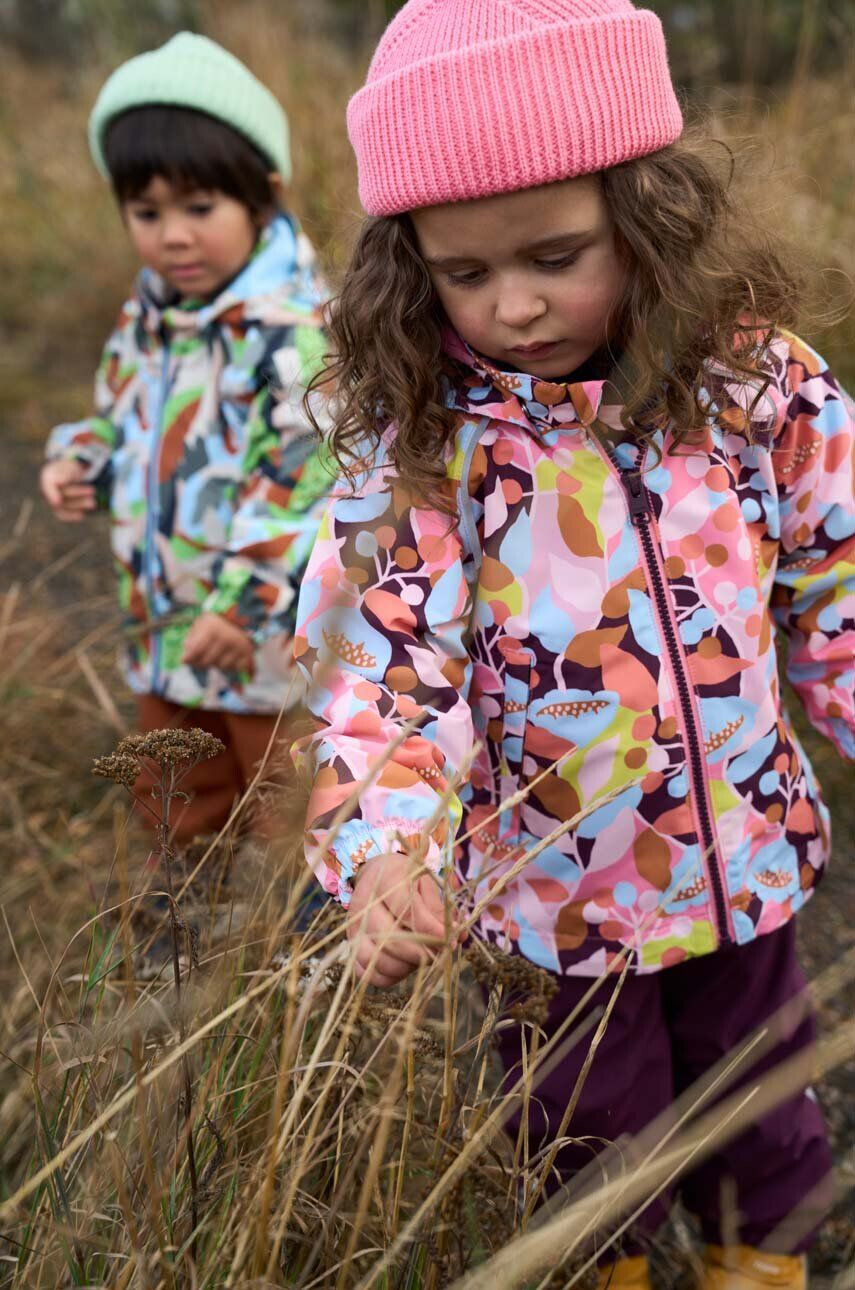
point(326, 1124)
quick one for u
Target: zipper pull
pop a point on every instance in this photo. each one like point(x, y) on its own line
point(639, 508)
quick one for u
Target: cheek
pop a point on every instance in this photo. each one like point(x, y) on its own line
point(144, 240)
point(469, 316)
point(587, 304)
point(229, 241)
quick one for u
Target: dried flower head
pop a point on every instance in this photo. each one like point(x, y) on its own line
point(122, 768)
point(519, 977)
point(172, 747)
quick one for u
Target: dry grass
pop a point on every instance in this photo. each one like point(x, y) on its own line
point(342, 1137)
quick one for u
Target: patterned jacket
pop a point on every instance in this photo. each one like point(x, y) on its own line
point(594, 620)
point(202, 451)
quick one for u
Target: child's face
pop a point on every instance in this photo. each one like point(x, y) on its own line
point(530, 279)
point(196, 240)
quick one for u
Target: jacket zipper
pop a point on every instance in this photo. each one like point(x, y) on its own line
point(641, 514)
point(153, 516)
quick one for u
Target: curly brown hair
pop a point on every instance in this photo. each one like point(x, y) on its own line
point(705, 284)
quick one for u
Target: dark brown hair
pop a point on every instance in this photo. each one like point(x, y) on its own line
point(704, 284)
point(190, 150)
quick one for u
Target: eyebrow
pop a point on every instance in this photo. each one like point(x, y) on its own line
point(555, 242)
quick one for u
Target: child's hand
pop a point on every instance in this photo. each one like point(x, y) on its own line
point(213, 641)
point(395, 920)
point(65, 492)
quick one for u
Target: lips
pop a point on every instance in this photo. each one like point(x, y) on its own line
point(536, 351)
point(184, 270)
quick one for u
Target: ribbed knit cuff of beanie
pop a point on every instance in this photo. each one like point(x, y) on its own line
point(465, 100)
point(194, 72)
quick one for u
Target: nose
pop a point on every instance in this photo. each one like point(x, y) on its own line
point(519, 304)
point(175, 230)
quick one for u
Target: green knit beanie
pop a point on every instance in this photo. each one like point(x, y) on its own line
point(194, 72)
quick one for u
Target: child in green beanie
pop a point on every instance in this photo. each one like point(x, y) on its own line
point(199, 444)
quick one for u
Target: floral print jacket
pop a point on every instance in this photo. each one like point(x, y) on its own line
point(596, 620)
point(201, 450)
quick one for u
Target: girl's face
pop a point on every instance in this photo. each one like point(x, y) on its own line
point(530, 279)
point(196, 240)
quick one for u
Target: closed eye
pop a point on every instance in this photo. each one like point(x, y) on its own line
point(466, 278)
point(556, 263)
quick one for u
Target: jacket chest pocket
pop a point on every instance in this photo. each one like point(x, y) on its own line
point(519, 663)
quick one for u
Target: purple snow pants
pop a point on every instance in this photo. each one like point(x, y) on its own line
point(665, 1032)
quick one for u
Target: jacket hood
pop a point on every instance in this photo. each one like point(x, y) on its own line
point(280, 277)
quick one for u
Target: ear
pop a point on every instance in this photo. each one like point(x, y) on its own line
point(277, 189)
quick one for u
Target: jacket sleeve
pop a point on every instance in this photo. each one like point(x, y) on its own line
point(287, 476)
point(381, 637)
point(813, 598)
point(93, 440)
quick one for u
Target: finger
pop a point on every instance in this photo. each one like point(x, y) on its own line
point(376, 978)
point(230, 659)
point(396, 942)
point(74, 490)
point(374, 926)
point(51, 490)
point(399, 896)
point(428, 908)
point(424, 928)
point(199, 655)
point(69, 517)
point(373, 961)
point(81, 504)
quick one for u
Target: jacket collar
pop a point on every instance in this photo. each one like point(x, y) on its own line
point(280, 277)
point(508, 395)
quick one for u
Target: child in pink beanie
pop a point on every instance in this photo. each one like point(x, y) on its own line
point(593, 474)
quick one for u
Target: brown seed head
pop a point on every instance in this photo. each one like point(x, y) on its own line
point(122, 768)
point(172, 747)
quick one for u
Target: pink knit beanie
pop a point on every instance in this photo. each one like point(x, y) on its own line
point(466, 98)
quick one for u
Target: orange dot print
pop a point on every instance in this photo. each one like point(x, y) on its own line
point(718, 479)
point(726, 518)
point(385, 536)
point(430, 548)
point(401, 678)
point(691, 547)
point(644, 727)
point(406, 558)
point(367, 690)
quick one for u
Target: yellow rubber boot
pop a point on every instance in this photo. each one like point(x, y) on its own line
point(629, 1274)
point(741, 1267)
